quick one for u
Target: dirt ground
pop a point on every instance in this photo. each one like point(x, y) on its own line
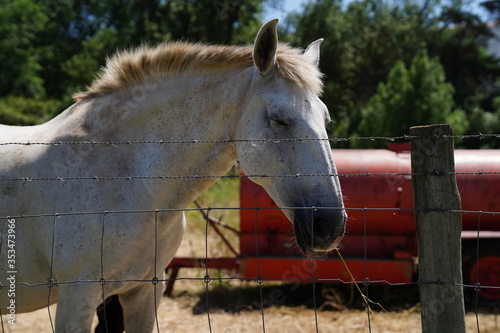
point(177, 316)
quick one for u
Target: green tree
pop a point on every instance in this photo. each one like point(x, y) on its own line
point(20, 21)
point(362, 43)
point(94, 28)
point(365, 39)
point(16, 110)
point(52, 48)
point(418, 95)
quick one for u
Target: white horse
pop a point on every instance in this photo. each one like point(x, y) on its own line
point(71, 206)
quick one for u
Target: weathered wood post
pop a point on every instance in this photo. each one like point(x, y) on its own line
point(439, 225)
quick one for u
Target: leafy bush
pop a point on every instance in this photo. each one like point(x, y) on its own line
point(16, 110)
point(418, 95)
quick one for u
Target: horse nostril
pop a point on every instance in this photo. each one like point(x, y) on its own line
point(318, 224)
point(318, 231)
point(329, 223)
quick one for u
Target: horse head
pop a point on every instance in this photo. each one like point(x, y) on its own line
point(282, 136)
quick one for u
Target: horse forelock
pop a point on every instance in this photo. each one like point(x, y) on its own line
point(128, 68)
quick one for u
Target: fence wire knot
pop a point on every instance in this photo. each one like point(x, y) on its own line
point(260, 280)
point(206, 279)
point(439, 172)
point(102, 281)
point(154, 281)
point(50, 283)
point(366, 282)
point(477, 287)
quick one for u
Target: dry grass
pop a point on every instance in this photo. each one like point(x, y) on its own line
point(176, 315)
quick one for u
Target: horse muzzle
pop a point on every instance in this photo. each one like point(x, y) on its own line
point(318, 231)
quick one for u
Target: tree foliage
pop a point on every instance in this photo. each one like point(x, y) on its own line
point(414, 95)
point(20, 22)
point(365, 40)
point(26, 111)
point(52, 48)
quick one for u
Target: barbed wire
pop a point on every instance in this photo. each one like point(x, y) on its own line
point(229, 176)
point(193, 141)
point(163, 210)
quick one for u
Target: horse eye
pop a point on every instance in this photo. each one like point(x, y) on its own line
point(279, 123)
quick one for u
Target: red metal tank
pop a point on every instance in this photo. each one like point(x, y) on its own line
point(380, 181)
point(391, 189)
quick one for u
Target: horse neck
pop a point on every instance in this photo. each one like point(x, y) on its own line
point(203, 108)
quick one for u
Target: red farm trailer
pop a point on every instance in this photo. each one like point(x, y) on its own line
point(377, 188)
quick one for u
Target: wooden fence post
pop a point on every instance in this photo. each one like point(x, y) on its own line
point(439, 225)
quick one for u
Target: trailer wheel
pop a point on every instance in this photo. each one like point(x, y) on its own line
point(483, 269)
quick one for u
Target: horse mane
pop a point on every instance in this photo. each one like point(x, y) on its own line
point(128, 68)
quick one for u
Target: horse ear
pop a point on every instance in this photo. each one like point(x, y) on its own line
point(312, 52)
point(264, 49)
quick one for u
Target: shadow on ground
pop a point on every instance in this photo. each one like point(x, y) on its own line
point(324, 297)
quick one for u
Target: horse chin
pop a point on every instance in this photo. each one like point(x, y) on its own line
point(317, 252)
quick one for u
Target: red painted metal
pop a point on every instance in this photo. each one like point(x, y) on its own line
point(215, 223)
point(486, 271)
point(478, 191)
point(193, 262)
point(293, 269)
point(227, 263)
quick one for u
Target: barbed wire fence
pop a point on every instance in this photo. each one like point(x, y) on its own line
point(9, 224)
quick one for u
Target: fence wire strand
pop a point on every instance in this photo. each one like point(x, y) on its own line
point(155, 277)
point(365, 264)
point(403, 138)
point(477, 285)
point(50, 283)
point(313, 277)
point(259, 273)
point(207, 278)
point(228, 176)
point(103, 279)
